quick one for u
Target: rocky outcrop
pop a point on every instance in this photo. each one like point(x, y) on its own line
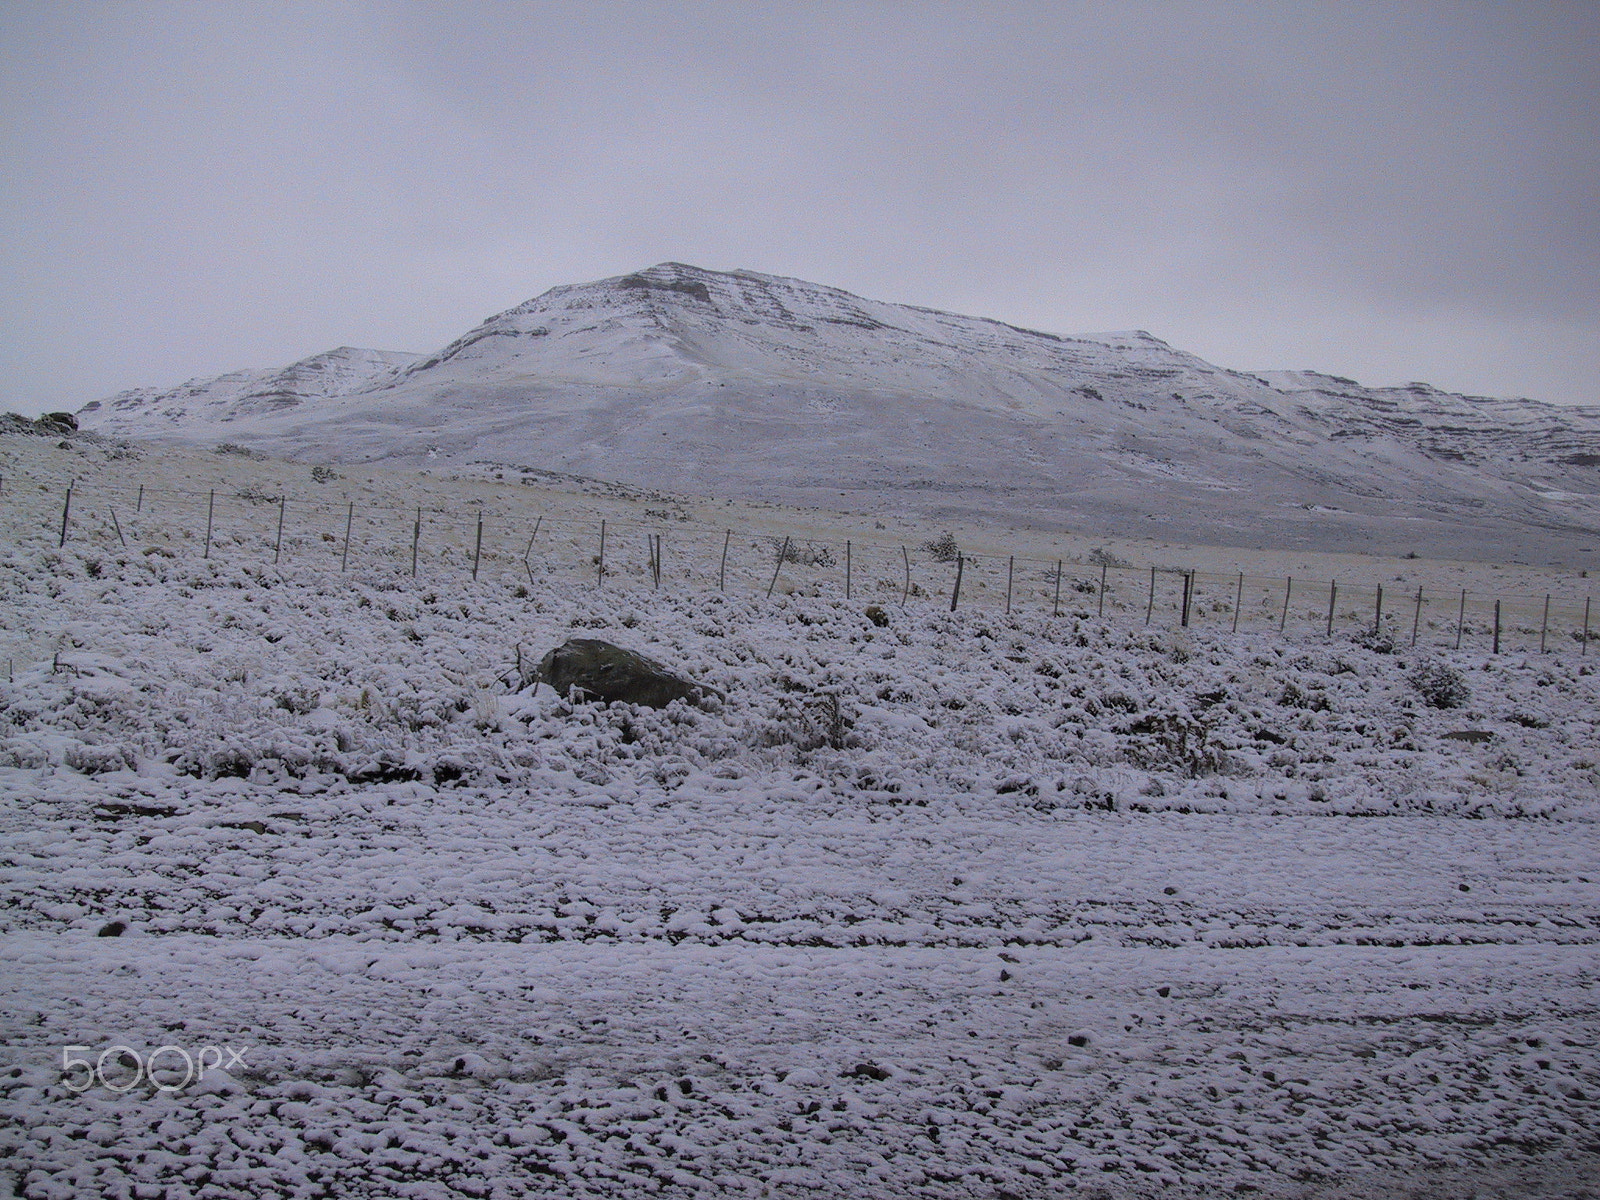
point(587, 668)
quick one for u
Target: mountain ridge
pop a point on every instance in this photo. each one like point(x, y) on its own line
point(771, 388)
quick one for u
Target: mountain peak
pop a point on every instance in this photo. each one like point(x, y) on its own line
point(739, 383)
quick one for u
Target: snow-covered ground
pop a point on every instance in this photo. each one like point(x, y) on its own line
point(957, 905)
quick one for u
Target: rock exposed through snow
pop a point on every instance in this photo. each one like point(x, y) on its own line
point(590, 668)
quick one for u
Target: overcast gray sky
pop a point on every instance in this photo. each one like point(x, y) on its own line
point(1385, 191)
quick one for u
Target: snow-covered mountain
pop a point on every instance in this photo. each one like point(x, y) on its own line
point(758, 386)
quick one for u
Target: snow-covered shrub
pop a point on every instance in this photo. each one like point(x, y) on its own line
point(943, 548)
point(805, 555)
point(1380, 640)
point(96, 760)
point(1174, 741)
point(1439, 685)
point(1295, 696)
point(807, 722)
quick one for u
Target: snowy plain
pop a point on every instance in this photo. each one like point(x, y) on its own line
point(959, 904)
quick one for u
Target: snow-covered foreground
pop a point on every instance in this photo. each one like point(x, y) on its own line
point(958, 905)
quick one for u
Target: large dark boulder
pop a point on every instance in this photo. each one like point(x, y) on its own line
point(600, 671)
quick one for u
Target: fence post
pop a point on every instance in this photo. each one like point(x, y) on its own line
point(211, 507)
point(1416, 620)
point(955, 592)
point(526, 565)
point(1238, 599)
point(1333, 595)
point(138, 505)
point(117, 525)
point(1011, 566)
point(847, 569)
point(1288, 586)
point(1150, 608)
point(477, 546)
point(1497, 627)
point(783, 553)
point(277, 545)
point(65, 509)
point(349, 521)
point(1188, 592)
point(906, 595)
point(722, 572)
point(1103, 568)
point(1461, 618)
point(1585, 651)
point(1055, 611)
point(1377, 615)
point(600, 571)
point(416, 538)
point(1544, 625)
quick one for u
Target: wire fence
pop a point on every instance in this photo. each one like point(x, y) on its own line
point(422, 540)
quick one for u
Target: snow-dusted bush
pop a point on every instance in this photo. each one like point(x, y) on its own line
point(943, 548)
point(1439, 685)
point(1381, 639)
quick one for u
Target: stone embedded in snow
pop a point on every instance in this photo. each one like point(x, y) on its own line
point(602, 671)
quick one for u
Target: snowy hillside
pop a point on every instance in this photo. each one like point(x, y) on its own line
point(241, 395)
point(926, 905)
point(748, 385)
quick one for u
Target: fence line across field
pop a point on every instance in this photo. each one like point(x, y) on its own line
point(422, 539)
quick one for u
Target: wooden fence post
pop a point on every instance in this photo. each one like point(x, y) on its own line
point(1416, 619)
point(65, 509)
point(1188, 593)
point(416, 540)
point(1238, 599)
point(1461, 618)
point(138, 505)
point(847, 569)
point(783, 553)
point(1150, 608)
point(1377, 615)
point(722, 571)
point(955, 592)
point(1288, 586)
point(1544, 625)
point(906, 595)
point(1333, 595)
point(349, 521)
point(277, 545)
point(117, 525)
point(1011, 566)
point(211, 507)
point(1497, 627)
point(1055, 610)
point(1585, 652)
point(528, 551)
point(1103, 567)
point(477, 546)
point(600, 572)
